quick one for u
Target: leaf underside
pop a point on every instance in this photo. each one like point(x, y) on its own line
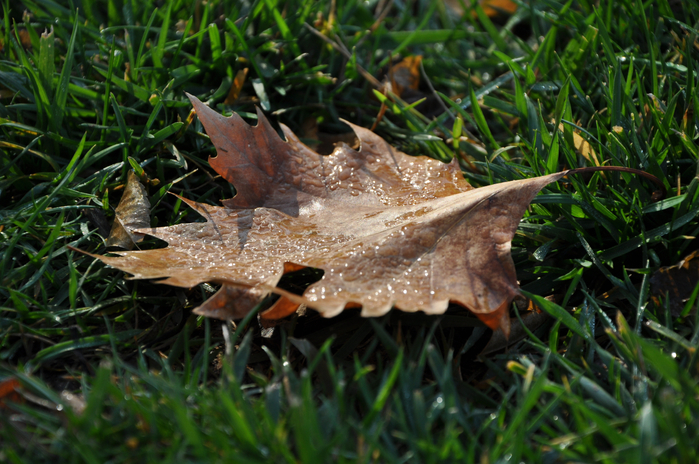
point(387, 229)
point(132, 213)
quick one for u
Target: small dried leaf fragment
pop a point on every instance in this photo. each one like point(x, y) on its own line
point(583, 147)
point(404, 76)
point(132, 213)
point(676, 283)
point(387, 229)
point(236, 87)
point(492, 8)
point(9, 392)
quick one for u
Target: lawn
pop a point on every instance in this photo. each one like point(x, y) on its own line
point(602, 362)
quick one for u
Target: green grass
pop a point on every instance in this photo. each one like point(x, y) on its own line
point(114, 370)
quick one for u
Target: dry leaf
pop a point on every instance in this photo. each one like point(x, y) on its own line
point(403, 81)
point(492, 8)
point(25, 39)
point(675, 284)
point(583, 147)
point(236, 87)
point(8, 392)
point(132, 213)
point(404, 76)
point(386, 228)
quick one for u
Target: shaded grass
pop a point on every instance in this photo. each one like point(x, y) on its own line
point(116, 370)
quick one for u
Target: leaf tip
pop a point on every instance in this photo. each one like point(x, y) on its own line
point(498, 319)
point(193, 100)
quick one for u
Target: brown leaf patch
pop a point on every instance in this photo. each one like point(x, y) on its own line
point(132, 213)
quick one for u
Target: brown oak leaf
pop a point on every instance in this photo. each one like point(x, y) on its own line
point(387, 229)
